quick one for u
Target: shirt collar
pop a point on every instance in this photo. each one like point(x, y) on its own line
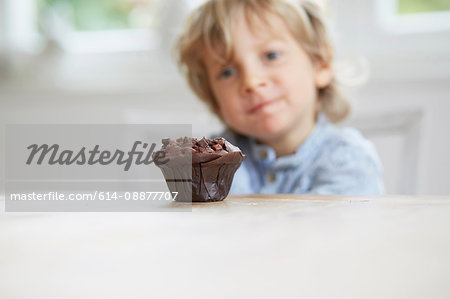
point(304, 155)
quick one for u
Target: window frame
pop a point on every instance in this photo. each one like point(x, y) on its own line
point(394, 23)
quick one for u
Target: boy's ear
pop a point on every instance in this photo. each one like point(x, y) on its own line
point(324, 74)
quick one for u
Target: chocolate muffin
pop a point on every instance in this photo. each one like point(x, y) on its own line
point(201, 169)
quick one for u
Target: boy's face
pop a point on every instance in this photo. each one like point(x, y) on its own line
point(268, 90)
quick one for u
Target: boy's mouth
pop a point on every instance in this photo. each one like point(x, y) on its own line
point(260, 106)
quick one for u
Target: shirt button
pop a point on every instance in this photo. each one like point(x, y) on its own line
point(271, 178)
point(263, 154)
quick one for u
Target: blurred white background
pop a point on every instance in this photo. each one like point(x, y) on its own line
point(108, 61)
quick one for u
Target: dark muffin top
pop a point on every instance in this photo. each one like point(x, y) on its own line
point(202, 149)
point(204, 145)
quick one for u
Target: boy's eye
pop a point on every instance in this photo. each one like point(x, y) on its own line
point(272, 55)
point(227, 73)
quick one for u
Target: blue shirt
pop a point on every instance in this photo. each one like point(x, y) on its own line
point(331, 160)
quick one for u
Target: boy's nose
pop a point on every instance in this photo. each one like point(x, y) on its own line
point(253, 81)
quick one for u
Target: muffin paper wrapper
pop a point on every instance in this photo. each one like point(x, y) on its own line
point(205, 181)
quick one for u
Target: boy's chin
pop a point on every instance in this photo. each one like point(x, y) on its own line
point(269, 139)
point(272, 130)
point(270, 135)
point(266, 131)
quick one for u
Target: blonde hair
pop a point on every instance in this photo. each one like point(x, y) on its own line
point(209, 28)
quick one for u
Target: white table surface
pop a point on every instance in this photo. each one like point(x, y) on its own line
point(282, 246)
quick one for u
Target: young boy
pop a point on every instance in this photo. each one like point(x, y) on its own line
point(264, 67)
